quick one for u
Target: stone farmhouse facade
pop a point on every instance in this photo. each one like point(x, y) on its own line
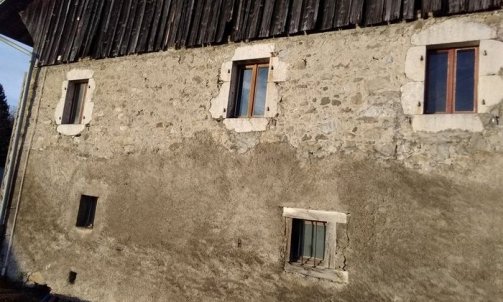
point(259, 150)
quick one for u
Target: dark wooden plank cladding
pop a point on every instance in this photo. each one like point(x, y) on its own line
point(392, 9)
point(239, 20)
point(265, 24)
point(342, 13)
point(205, 22)
point(356, 14)
point(280, 17)
point(120, 31)
point(71, 29)
point(96, 17)
point(72, 32)
point(211, 31)
point(374, 12)
point(457, 6)
point(34, 19)
point(169, 23)
point(174, 23)
point(184, 23)
point(431, 6)
point(145, 26)
point(327, 14)
point(112, 28)
point(159, 42)
point(123, 49)
point(246, 18)
point(195, 29)
point(225, 23)
point(136, 29)
point(295, 15)
point(103, 29)
point(309, 14)
point(154, 29)
point(408, 10)
point(45, 51)
point(81, 30)
point(58, 32)
point(252, 27)
point(479, 5)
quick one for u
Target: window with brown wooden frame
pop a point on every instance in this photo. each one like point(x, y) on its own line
point(250, 90)
point(451, 80)
point(307, 245)
point(74, 102)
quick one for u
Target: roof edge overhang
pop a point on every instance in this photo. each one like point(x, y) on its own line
point(11, 24)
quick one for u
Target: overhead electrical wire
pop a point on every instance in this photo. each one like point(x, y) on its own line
point(14, 45)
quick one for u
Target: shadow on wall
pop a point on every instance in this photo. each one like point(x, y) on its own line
point(23, 289)
point(26, 290)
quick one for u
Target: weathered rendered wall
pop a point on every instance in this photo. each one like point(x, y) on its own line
point(178, 190)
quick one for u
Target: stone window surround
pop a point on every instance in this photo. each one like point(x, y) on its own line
point(76, 75)
point(453, 33)
point(277, 73)
point(327, 269)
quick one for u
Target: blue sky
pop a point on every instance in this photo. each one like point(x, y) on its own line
point(13, 65)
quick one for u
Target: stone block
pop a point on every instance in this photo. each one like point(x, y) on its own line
point(490, 92)
point(491, 57)
point(415, 63)
point(441, 122)
point(246, 124)
point(413, 98)
point(453, 31)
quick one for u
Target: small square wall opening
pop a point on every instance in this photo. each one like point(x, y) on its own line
point(72, 276)
point(87, 210)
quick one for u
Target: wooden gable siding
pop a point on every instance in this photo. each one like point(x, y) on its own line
point(66, 30)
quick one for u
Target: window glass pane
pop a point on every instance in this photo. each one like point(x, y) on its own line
point(260, 91)
point(244, 93)
point(308, 240)
point(465, 80)
point(296, 239)
point(320, 241)
point(436, 81)
point(78, 102)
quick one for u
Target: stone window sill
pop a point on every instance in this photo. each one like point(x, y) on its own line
point(253, 124)
point(441, 122)
point(71, 129)
point(318, 272)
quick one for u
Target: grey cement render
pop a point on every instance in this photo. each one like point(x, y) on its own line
point(190, 211)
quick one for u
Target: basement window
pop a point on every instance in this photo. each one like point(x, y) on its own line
point(74, 103)
point(451, 80)
point(87, 210)
point(308, 242)
point(250, 89)
point(311, 244)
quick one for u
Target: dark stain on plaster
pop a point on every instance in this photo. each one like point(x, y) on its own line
point(189, 206)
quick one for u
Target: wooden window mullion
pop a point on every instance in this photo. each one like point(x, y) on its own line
point(251, 100)
point(451, 74)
